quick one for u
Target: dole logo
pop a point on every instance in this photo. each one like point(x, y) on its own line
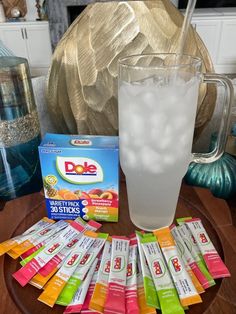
point(129, 270)
point(98, 265)
point(107, 267)
point(157, 268)
point(43, 232)
point(85, 259)
point(117, 263)
point(79, 170)
point(72, 260)
point(72, 243)
point(53, 248)
point(176, 264)
point(203, 238)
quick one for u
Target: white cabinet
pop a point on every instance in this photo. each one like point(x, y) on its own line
point(217, 28)
point(30, 40)
point(209, 32)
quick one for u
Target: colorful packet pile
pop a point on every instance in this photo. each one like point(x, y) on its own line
point(89, 272)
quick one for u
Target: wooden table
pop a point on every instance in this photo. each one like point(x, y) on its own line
point(218, 218)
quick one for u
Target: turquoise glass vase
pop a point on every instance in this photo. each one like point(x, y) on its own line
point(218, 176)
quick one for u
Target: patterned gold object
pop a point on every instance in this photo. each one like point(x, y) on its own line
point(82, 82)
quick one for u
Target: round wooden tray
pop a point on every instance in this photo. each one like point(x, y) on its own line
point(215, 214)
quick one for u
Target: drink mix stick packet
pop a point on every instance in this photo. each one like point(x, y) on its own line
point(55, 261)
point(59, 280)
point(166, 291)
point(37, 238)
point(85, 307)
point(131, 297)
point(191, 245)
point(197, 277)
point(143, 307)
point(27, 272)
point(115, 302)
point(78, 300)
point(40, 281)
point(30, 254)
point(85, 263)
point(99, 295)
point(183, 283)
point(149, 287)
point(9, 244)
point(212, 259)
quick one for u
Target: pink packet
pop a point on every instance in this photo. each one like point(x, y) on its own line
point(56, 260)
point(186, 256)
point(131, 296)
point(115, 302)
point(27, 272)
point(214, 263)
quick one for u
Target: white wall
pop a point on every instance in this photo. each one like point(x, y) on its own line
point(31, 10)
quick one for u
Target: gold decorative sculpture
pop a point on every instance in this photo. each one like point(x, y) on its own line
point(82, 82)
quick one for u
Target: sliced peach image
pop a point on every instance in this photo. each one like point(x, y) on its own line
point(106, 195)
point(113, 192)
point(62, 192)
point(70, 196)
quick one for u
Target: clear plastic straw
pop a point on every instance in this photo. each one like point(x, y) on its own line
point(185, 27)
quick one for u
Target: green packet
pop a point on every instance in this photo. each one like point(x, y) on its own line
point(167, 294)
point(149, 287)
point(74, 282)
point(29, 258)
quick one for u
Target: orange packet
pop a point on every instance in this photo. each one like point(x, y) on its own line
point(11, 243)
point(99, 295)
point(59, 280)
point(38, 237)
point(183, 283)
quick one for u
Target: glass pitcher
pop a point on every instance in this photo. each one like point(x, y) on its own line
point(157, 98)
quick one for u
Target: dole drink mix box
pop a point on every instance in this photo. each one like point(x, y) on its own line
point(80, 176)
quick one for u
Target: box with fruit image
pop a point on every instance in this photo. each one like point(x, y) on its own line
point(80, 176)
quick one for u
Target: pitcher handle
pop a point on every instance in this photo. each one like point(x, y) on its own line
point(218, 150)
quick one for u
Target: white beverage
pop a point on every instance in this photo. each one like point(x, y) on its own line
point(156, 125)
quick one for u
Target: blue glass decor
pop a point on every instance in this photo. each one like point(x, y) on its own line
point(19, 131)
point(218, 176)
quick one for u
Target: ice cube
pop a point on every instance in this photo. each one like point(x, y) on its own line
point(180, 122)
point(149, 100)
point(169, 160)
point(158, 121)
point(150, 160)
